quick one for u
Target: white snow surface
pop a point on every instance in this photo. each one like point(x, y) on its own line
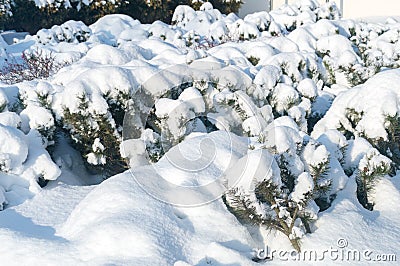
point(264, 68)
point(304, 184)
point(117, 222)
point(13, 147)
point(376, 99)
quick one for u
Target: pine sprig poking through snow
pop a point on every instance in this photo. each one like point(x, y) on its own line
point(242, 207)
point(371, 168)
point(298, 179)
point(276, 218)
point(391, 147)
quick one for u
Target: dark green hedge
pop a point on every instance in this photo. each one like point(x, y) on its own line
point(28, 17)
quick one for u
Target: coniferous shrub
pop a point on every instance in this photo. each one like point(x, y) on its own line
point(95, 137)
point(5, 12)
point(287, 201)
point(391, 147)
point(225, 6)
point(371, 168)
point(284, 209)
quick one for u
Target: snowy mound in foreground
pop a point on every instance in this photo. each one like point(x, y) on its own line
point(118, 222)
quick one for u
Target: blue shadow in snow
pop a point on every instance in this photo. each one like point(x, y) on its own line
point(20, 224)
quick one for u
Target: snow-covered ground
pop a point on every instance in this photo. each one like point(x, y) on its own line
point(293, 114)
point(117, 222)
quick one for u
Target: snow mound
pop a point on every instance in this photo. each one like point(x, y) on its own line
point(107, 55)
point(139, 236)
point(364, 110)
point(10, 119)
point(24, 161)
point(108, 28)
point(13, 148)
point(70, 31)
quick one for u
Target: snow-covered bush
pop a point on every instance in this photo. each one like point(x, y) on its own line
point(95, 136)
point(342, 63)
point(295, 96)
point(14, 149)
point(362, 111)
point(304, 12)
point(232, 28)
point(377, 43)
point(223, 99)
point(293, 175)
point(91, 108)
point(227, 103)
point(207, 101)
point(70, 31)
point(372, 166)
point(24, 165)
point(26, 136)
point(368, 113)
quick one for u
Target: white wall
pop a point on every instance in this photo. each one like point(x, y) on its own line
point(278, 3)
point(251, 6)
point(351, 8)
point(370, 8)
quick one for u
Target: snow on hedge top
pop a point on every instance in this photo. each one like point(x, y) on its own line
point(367, 106)
point(110, 27)
point(255, 167)
point(13, 148)
point(304, 185)
point(70, 31)
point(189, 19)
point(202, 159)
point(36, 117)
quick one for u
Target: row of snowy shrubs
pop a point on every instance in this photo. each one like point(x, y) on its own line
point(271, 86)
